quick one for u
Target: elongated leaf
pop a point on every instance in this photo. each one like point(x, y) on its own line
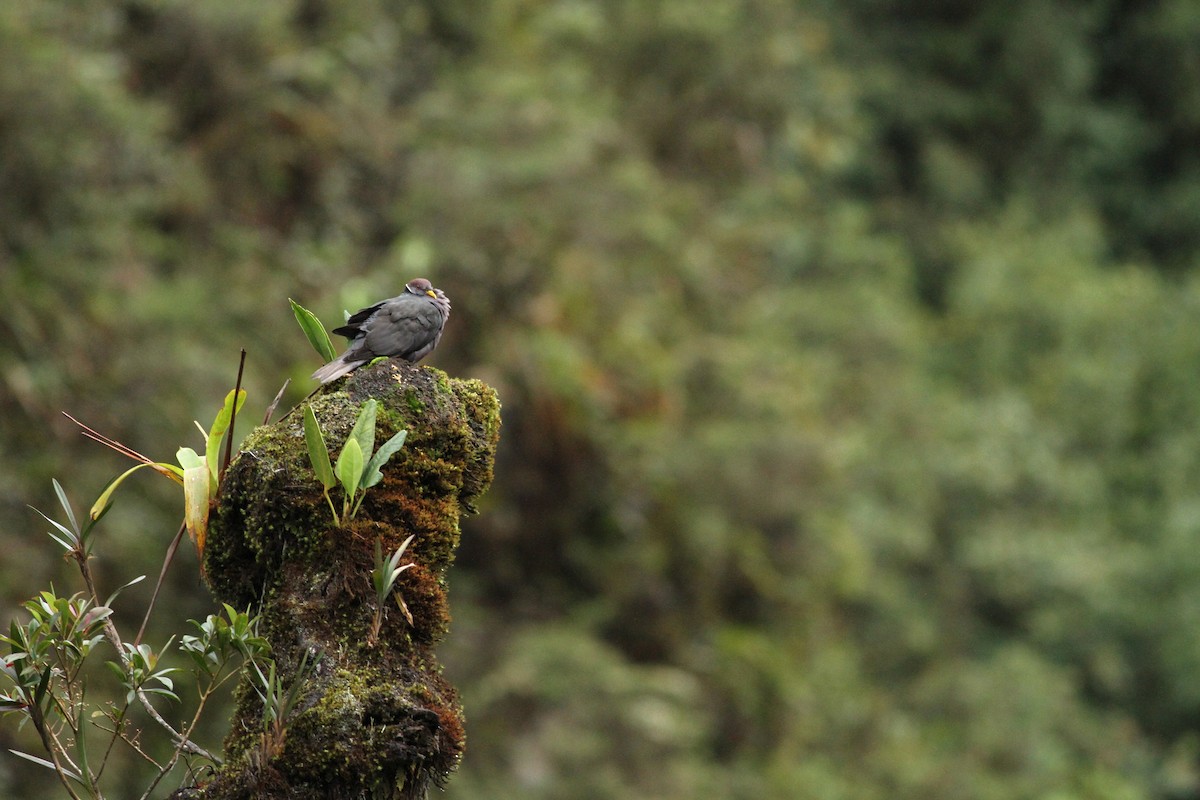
point(196, 487)
point(66, 504)
point(39, 693)
point(364, 429)
point(377, 575)
point(48, 765)
point(217, 432)
point(349, 467)
point(10, 704)
point(313, 330)
point(318, 453)
point(68, 539)
point(373, 474)
point(102, 502)
point(65, 544)
point(122, 588)
point(403, 607)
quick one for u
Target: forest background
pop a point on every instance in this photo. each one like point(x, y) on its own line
point(848, 351)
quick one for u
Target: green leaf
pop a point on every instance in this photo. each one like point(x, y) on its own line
point(314, 330)
point(215, 434)
point(49, 765)
point(95, 518)
point(105, 498)
point(189, 458)
point(349, 467)
point(373, 474)
point(122, 588)
point(364, 429)
point(68, 539)
point(318, 453)
point(66, 504)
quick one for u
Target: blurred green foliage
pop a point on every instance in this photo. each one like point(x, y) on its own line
point(848, 353)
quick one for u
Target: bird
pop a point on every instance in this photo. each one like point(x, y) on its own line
point(407, 326)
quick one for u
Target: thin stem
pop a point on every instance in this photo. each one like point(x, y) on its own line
point(133, 745)
point(163, 771)
point(96, 436)
point(337, 520)
point(85, 769)
point(110, 630)
point(376, 624)
point(57, 751)
point(237, 388)
point(118, 721)
point(162, 574)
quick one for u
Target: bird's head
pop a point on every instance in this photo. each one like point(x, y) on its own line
point(420, 286)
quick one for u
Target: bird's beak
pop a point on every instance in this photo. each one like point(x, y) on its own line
point(431, 293)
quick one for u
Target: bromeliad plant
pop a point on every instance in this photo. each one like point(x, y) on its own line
point(199, 476)
point(355, 476)
point(383, 580)
point(279, 704)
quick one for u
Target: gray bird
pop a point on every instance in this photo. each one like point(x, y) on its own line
point(409, 326)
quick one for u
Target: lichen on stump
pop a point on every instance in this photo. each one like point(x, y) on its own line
point(377, 719)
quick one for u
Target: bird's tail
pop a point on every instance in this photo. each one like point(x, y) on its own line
point(335, 369)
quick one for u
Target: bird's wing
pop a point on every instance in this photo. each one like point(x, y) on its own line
point(357, 322)
point(403, 327)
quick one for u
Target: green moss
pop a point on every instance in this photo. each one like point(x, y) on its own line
point(414, 402)
point(375, 715)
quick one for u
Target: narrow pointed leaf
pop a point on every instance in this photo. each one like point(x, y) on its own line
point(373, 474)
point(122, 588)
point(313, 330)
point(65, 544)
point(10, 704)
point(403, 608)
point(66, 532)
point(43, 684)
point(349, 467)
point(318, 453)
point(66, 504)
point(47, 764)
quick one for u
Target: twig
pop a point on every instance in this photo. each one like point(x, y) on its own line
point(118, 734)
point(162, 574)
point(237, 388)
point(118, 720)
point(52, 746)
point(114, 637)
point(308, 396)
point(163, 771)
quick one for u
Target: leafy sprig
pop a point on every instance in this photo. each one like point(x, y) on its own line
point(355, 476)
point(383, 580)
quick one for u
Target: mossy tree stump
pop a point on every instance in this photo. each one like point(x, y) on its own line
point(376, 719)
